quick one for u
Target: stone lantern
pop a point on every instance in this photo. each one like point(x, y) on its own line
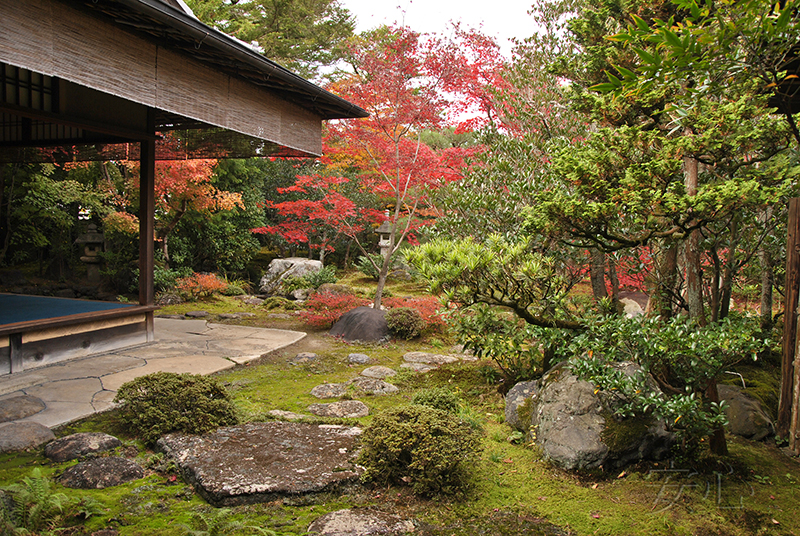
point(384, 236)
point(92, 242)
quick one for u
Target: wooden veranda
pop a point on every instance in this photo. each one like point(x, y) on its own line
point(99, 79)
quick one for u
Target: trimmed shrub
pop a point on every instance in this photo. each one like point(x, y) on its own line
point(439, 398)
point(428, 307)
point(162, 402)
point(426, 448)
point(404, 322)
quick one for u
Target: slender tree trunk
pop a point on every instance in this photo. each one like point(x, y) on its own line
point(666, 283)
point(614, 278)
point(716, 277)
point(694, 274)
point(347, 254)
point(785, 416)
point(767, 277)
point(729, 271)
point(597, 274)
point(717, 443)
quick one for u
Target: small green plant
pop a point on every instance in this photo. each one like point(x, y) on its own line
point(439, 398)
point(404, 322)
point(317, 279)
point(163, 402)
point(37, 507)
point(426, 448)
point(366, 264)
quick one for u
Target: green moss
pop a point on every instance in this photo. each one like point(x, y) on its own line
point(525, 413)
point(620, 434)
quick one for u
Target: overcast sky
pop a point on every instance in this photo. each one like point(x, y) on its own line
point(501, 19)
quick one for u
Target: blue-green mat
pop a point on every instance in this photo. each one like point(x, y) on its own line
point(21, 308)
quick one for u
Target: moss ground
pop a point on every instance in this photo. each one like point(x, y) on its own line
point(754, 491)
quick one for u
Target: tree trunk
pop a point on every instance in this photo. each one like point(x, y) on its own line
point(612, 276)
point(597, 274)
point(785, 414)
point(767, 278)
point(694, 273)
point(715, 284)
point(667, 282)
point(717, 443)
point(729, 271)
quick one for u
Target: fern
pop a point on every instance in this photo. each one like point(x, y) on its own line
point(36, 505)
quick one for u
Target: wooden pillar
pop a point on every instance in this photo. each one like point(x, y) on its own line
point(147, 170)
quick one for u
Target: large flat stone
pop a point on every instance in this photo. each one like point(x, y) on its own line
point(261, 462)
point(19, 407)
point(193, 364)
point(23, 435)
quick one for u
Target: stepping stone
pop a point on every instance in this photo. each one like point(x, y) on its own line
point(418, 367)
point(19, 407)
point(329, 390)
point(359, 359)
point(246, 315)
point(263, 462)
point(279, 316)
point(101, 473)
point(196, 314)
point(24, 435)
point(430, 359)
point(304, 357)
point(253, 301)
point(287, 415)
point(378, 372)
point(77, 445)
point(374, 386)
point(229, 316)
point(351, 409)
point(360, 523)
point(172, 317)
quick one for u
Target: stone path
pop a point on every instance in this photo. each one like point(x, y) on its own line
point(77, 388)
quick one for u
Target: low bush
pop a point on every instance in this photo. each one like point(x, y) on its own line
point(404, 323)
point(426, 448)
point(199, 285)
point(439, 398)
point(323, 309)
point(428, 308)
point(310, 280)
point(162, 402)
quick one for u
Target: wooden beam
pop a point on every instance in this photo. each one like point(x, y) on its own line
point(147, 170)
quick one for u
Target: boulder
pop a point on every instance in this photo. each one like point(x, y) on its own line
point(576, 427)
point(301, 294)
point(24, 435)
point(746, 417)
point(359, 523)
point(76, 445)
point(379, 372)
point(101, 473)
point(19, 407)
point(361, 324)
point(287, 415)
point(304, 357)
point(280, 269)
point(418, 367)
point(519, 397)
point(263, 462)
point(329, 390)
point(351, 409)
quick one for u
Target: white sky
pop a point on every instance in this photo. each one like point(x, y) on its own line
point(501, 19)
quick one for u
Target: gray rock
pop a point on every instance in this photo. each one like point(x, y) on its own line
point(172, 317)
point(576, 429)
point(262, 462)
point(23, 435)
point(76, 445)
point(301, 294)
point(169, 298)
point(287, 415)
point(519, 395)
point(351, 409)
point(329, 390)
point(279, 269)
point(359, 359)
point(101, 473)
point(335, 288)
point(378, 372)
point(230, 316)
point(361, 324)
point(19, 407)
point(246, 315)
point(418, 367)
point(374, 386)
point(281, 316)
point(360, 523)
point(196, 314)
point(253, 301)
point(400, 275)
point(746, 417)
point(430, 359)
point(304, 357)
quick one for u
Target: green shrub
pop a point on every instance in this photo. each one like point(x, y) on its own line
point(438, 398)
point(404, 322)
point(367, 268)
point(164, 402)
point(427, 448)
point(317, 279)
